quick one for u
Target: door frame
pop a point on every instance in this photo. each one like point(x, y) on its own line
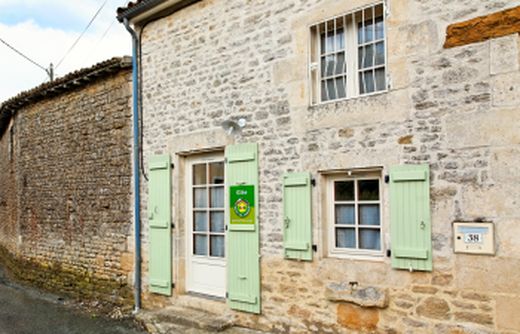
point(188, 234)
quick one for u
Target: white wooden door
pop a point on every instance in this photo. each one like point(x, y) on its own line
point(206, 253)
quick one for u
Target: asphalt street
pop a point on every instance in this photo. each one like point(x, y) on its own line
point(27, 311)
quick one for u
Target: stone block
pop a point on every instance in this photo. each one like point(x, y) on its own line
point(507, 313)
point(504, 54)
point(364, 297)
point(487, 128)
point(412, 39)
point(474, 317)
point(506, 90)
point(473, 273)
point(504, 165)
point(434, 308)
point(507, 231)
point(490, 201)
point(357, 318)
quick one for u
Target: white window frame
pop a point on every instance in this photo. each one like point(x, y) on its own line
point(351, 42)
point(195, 160)
point(355, 253)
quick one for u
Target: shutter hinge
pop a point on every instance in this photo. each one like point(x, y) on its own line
point(173, 225)
point(173, 285)
point(389, 253)
point(227, 295)
point(172, 166)
point(313, 182)
point(226, 227)
point(315, 248)
point(387, 178)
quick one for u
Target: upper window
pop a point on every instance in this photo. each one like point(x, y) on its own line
point(348, 55)
point(355, 211)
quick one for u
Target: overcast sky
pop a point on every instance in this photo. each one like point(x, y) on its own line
point(45, 30)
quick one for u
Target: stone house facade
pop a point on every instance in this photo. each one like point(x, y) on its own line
point(65, 184)
point(386, 117)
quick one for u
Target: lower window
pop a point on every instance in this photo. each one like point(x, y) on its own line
point(355, 214)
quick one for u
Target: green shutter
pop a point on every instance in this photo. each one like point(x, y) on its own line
point(410, 225)
point(159, 220)
point(297, 232)
point(243, 252)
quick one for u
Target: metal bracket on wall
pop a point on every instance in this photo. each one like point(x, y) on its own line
point(313, 182)
point(387, 178)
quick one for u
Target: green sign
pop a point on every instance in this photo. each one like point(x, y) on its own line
point(242, 202)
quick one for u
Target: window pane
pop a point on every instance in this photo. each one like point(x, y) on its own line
point(340, 85)
point(333, 64)
point(345, 238)
point(200, 221)
point(327, 40)
point(216, 173)
point(324, 93)
point(380, 79)
point(368, 190)
point(370, 239)
point(199, 174)
point(331, 89)
point(217, 246)
point(217, 222)
point(369, 214)
point(380, 53)
point(327, 66)
point(340, 63)
point(200, 197)
point(345, 214)
point(200, 244)
point(217, 197)
point(366, 82)
point(344, 190)
point(365, 31)
point(380, 28)
point(365, 55)
point(340, 40)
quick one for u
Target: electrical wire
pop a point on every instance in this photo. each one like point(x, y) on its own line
point(24, 56)
point(81, 35)
point(94, 49)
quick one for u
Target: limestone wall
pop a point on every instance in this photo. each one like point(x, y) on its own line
point(455, 109)
point(66, 209)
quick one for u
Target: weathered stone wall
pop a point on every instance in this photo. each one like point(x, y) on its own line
point(8, 196)
point(456, 109)
point(72, 172)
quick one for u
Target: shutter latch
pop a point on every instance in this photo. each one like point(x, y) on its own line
point(287, 221)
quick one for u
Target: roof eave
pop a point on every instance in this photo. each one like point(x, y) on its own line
point(148, 10)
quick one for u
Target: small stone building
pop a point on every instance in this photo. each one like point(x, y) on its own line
point(326, 166)
point(65, 183)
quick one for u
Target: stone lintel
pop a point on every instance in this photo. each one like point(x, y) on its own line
point(482, 28)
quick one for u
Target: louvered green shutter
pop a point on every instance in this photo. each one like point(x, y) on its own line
point(410, 226)
point(159, 220)
point(297, 204)
point(243, 253)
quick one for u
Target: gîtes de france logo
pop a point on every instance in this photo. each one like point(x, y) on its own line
point(242, 208)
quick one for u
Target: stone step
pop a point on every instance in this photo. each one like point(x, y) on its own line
point(204, 303)
point(183, 319)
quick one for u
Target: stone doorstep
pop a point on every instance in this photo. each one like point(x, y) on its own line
point(187, 317)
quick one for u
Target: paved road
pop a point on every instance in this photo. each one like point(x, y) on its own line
point(27, 311)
